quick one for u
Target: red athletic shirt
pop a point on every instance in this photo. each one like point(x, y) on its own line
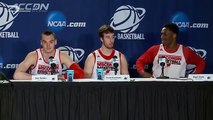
point(190, 56)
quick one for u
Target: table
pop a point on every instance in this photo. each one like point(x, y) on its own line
point(144, 100)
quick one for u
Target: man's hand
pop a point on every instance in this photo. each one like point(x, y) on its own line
point(61, 77)
point(146, 74)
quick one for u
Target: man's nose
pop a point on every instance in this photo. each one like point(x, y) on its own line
point(48, 45)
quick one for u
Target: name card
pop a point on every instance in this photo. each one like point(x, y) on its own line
point(117, 77)
point(201, 77)
point(45, 77)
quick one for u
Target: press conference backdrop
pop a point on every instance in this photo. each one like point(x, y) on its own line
point(138, 24)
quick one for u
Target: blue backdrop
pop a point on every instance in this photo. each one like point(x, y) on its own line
point(137, 23)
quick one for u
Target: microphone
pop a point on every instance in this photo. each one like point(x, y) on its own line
point(162, 62)
point(52, 63)
point(115, 64)
point(4, 78)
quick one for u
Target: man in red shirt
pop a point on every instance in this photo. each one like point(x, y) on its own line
point(177, 56)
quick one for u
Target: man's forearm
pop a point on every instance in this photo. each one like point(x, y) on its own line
point(22, 76)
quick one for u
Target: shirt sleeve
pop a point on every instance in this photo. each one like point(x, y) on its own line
point(78, 71)
point(147, 58)
point(192, 58)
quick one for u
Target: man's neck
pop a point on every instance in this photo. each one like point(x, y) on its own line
point(106, 51)
point(172, 46)
point(47, 55)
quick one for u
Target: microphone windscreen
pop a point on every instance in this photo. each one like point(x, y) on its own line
point(115, 65)
point(52, 62)
point(51, 57)
point(115, 61)
point(162, 61)
point(115, 57)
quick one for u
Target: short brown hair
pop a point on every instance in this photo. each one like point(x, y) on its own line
point(105, 29)
point(48, 32)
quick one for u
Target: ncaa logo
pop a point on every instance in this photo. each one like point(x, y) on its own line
point(76, 54)
point(127, 18)
point(182, 21)
point(56, 21)
point(7, 15)
point(202, 53)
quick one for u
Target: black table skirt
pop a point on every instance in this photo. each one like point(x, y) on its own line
point(106, 101)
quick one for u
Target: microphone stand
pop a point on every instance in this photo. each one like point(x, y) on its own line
point(162, 73)
point(115, 68)
point(52, 71)
point(52, 65)
point(3, 78)
point(115, 64)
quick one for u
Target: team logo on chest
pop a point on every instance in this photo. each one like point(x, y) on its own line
point(172, 59)
point(44, 69)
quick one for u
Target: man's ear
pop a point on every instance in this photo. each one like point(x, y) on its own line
point(101, 39)
point(55, 41)
point(174, 36)
point(41, 43)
